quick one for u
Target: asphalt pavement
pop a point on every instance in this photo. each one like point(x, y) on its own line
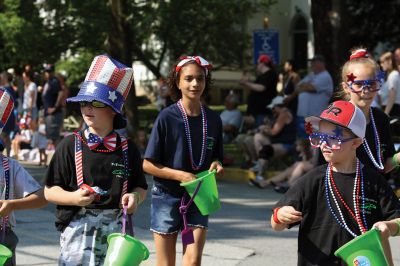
point(239, 233)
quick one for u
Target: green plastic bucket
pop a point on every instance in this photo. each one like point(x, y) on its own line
point(5, 254)
point(124, 250)
point(206, 200)
point(365, 249)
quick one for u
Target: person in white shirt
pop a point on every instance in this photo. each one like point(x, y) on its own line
point(390, 92)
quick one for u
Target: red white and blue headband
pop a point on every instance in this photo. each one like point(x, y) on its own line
point(359, 53)
point(198, 59)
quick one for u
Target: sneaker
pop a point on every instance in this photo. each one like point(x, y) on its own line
point(259, 178)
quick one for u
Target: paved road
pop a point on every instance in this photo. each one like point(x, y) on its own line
point(239, 233)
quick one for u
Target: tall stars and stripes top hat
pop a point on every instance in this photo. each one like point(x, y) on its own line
point(107, 81)
point(6, 107)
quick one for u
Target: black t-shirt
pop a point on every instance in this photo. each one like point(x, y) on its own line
point(168, 144)
point(257, 101)
point(104, 170)
point(385, 137)
point(50, 93)
point(320, 235)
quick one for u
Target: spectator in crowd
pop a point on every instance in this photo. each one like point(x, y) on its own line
point(163, 94)
point(314, 92)
point(22, 140)
point(274, 139)
point(397, 57)
point(231, 118)
point(390, 92)
point(40, 141)
point(292, 173)
point(52, 102)
point(9, 127)
point(261, 91)
point(290, 80)
point(29, 107)
point(141, 141)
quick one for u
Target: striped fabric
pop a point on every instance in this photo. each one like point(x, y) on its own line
point(6, 107)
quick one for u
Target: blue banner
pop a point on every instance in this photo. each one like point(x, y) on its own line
point(266, 42)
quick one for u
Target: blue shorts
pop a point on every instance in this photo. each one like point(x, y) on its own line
point(165, 216)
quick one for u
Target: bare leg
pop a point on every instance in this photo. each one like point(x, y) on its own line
point(192, 253)
point(165, 249)
point(299, 170)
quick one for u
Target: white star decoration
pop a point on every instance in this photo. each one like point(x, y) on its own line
point(112, 96)
point(91, 88)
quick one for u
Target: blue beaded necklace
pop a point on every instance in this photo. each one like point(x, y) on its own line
point(189, 139)
point(378, 164)
point(329, 192)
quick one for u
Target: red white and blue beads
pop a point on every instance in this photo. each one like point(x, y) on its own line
point(331, 190)
point(189, 139)
point(379, 162)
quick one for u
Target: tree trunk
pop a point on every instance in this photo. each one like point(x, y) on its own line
point(119, 47)
point(331, 33)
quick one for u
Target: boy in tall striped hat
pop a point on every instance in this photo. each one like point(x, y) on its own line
point(18, 189)
point(336, 202)
point(95, 172)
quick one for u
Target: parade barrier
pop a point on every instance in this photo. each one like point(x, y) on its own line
point(124, 249)
point(365, 249)
point(206, 200)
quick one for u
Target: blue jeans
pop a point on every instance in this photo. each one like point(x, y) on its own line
point(165, 216)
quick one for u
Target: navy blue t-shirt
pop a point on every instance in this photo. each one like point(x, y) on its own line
point(50, 93)
point(168, 144)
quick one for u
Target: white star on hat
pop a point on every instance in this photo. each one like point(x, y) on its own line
point(112, 96)
point(91, 88)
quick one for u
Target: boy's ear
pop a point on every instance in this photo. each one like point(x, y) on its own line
point(357, 142)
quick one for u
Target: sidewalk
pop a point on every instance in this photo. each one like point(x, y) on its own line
point(239, 233)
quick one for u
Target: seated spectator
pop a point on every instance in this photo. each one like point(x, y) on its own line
point(40, 141)
point(231, 118)
point(22, 140)
point(291, 174)
point(273, 139)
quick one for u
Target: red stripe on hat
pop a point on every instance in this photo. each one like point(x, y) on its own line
point(7, 111)
point(98, 66)
point(116, 77)
point(128, 88)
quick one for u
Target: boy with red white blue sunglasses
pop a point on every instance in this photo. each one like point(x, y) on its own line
point(335, 202)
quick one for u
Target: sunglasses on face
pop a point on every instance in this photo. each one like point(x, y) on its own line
point(94, 104)
point(331, 142)
point(359, 86)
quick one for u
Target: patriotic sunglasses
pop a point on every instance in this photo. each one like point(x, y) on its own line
point(198, 59)
point(332, 142)
point(95, 104)
point(358, 86)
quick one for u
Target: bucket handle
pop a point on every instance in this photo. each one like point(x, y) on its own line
point(183, 208)
point(130, 222)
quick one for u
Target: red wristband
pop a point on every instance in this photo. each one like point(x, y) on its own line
point(275, 216)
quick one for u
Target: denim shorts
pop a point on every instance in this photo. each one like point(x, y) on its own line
point(165, 216)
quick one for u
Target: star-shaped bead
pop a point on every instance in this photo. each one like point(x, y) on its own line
point(91, 88)
point(112, 96)
point(351, 77)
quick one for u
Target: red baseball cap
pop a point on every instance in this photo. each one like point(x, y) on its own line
point(343, 114)
point(263, 58)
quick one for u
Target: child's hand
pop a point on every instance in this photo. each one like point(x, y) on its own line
point(130, 201)
point(383, 228)
point(187, 177)
point(6, 208)
point(288, 215)
point(83, 197)
point(218, 167)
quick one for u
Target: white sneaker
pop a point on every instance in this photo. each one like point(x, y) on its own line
point(259, 178)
